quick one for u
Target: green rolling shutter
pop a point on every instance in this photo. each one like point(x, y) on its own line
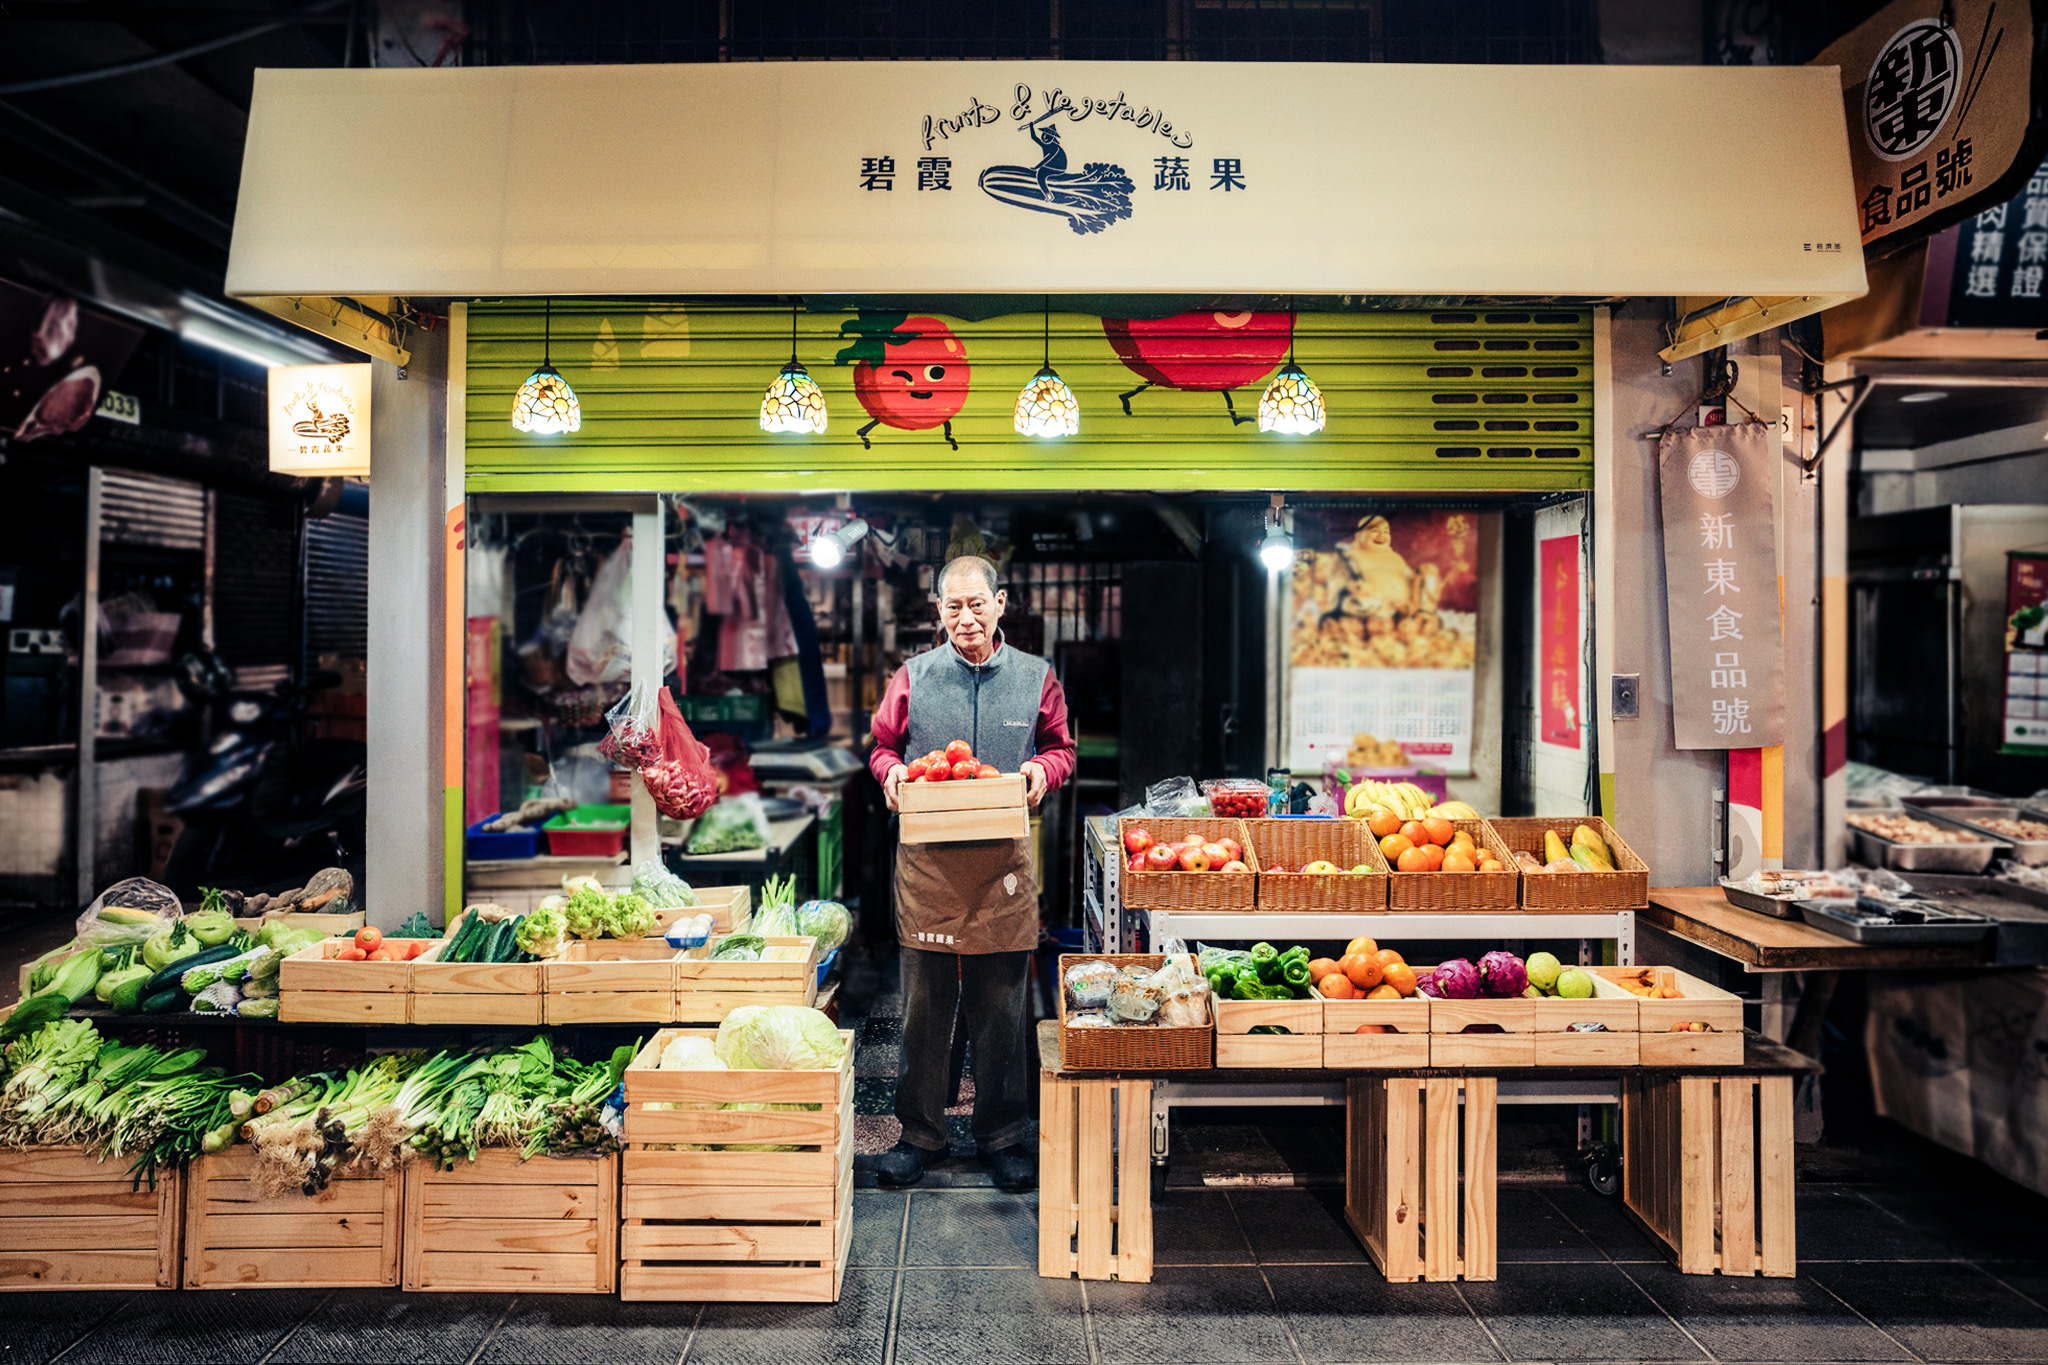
point(1419, 401)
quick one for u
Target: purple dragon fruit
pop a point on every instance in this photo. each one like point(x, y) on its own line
point(1503, 974)
point(1457, 979)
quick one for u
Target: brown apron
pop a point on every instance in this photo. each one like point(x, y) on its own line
point(969, 898)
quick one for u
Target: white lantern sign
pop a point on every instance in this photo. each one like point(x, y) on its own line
point(320, 420)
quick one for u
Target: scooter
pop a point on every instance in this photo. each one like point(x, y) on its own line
point(264, 805)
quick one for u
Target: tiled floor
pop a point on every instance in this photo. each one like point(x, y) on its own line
point(1888, 1273)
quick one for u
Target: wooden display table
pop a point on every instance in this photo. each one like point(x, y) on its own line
point(1706, 1162)
point(1764, 943)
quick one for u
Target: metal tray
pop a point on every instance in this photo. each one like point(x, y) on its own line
point(1782, 907)
point(1875, 851)
point(2034, 851)
point(1870, 921)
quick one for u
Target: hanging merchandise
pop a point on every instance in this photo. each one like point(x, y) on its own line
point(601, 650)
point(650, 736)
point(800, 680)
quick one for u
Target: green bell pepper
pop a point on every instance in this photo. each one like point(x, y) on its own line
point(1248, 985)
point(1294, 971)
point(1221, 979)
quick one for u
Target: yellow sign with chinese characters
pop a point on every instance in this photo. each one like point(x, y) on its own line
point(320, 420)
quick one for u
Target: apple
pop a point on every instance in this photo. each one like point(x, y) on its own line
point(1137, 863)
point(1234, 865)
point(1360, 868)
point(1162, 858)
point(1194, 860)
point(1232, 847)
point(1322, 867)
point(1217, 854)
point(1137, 840)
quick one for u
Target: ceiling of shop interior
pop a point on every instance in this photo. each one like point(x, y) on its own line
point(1888, 421)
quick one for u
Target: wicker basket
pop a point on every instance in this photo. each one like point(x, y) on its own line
point(1459, 891)
point(1625, 888)
point(1134, 1047)
point(1347, 843)
point(1189, 890)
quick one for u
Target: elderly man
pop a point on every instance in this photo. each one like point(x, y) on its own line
point(967, 913)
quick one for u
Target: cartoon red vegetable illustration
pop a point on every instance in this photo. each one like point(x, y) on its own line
point(909, 372)
point(1200, 352)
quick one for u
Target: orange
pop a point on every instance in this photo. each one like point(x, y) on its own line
point(1440, 829)
point(1455, 861)
point(1387, 957)
point(1401, 977)
point(1490, 864)
point(1415, 832)
point(1320, 968)
point(1335, 986)
point(1394, 845)
point(1461, 837)
point(1413, 860)
point(1432, 855)
point(1364, 971)
point(1381, 993)
point(1382, 822)
point(1361, 945)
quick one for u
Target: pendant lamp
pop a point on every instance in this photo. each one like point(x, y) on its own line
point(1046, 407)
point(1291, 404)
point(545, 404)
point(794, 402)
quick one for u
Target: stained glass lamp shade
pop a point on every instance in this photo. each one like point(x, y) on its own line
point(1292, 404)
point(793, 403)
point(546, 405)
point(1047, 406)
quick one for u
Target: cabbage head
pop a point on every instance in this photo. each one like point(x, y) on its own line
point(779, 1038)
point(826, 921)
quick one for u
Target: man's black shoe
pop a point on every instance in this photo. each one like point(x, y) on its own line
point(904, 1164)
point(1012, 1168)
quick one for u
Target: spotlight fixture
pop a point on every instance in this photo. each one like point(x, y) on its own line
point(829, 551)
point(1276, 551)
point(545, 404)
point(794, 402)
point(1291, 404)
point(1046, 407)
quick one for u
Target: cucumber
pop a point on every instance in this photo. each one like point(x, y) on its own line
point(163, 1001)
point(173, 974)
point(494, 944)
point(464, 938)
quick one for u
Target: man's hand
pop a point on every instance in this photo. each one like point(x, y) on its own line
point(1034, 781)
point(892, 782)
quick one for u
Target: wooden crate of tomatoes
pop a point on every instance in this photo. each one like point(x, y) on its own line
point(949, 796)
point(366, 979)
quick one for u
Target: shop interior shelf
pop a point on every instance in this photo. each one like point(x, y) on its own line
point(1393, 928)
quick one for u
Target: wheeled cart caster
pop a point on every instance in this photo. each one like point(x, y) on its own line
point(1158, 1179)
point(1602, 1166)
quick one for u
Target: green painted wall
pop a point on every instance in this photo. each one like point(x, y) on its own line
point(1418, 401)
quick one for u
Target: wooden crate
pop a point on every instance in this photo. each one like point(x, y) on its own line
point(954, 812)
point(1663, 1025)
point(723, 1226)
point(1615, 1045)
point(1450, 1045)
point(503, 993)
point(314, 988)
point(707, 991)
point(331, 925)
point(1625, 888)
point(498, 1224)
point(1237, 1045)
point(1345, 1047)
point(345, 1237)
point(611, 981)
point(1094, 1179)
point(730, 908)
point(1707, 1167)
point(70, 1222)
point(1420, 1174)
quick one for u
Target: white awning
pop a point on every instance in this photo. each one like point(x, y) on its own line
point(953, 177)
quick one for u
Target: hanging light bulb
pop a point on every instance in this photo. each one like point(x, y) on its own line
point(1276, 551)
point(1047, 407)
point(794, 402)
point(545, 404)
point(1291, 404)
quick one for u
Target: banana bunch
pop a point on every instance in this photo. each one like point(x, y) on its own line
point(1587, 849)
point(1404, 799)
point(1454, 810)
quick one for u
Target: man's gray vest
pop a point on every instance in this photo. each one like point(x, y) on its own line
point(993, 706)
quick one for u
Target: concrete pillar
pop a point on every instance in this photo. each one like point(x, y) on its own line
point(409, 553)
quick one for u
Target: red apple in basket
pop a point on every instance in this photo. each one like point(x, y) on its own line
point(1234, 865)
point(1137, 863)
point(1194, 860)
point(1162, 858)
point(1217, 854)
point(1233, 848)
point(1137, 840)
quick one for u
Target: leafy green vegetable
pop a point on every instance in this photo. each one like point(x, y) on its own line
point(779, 1038)
point(591, 913)
point(661, 888)
point(727, 827)
point(739, 948)
point(417, 925)
point(829, 922)
point(541, 931)
point(213, 925)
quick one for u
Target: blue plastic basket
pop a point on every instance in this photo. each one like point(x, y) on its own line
point(825, 967)
point(515, 843)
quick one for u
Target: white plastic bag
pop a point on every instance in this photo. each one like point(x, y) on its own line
point(601, 649)
point(136, 893)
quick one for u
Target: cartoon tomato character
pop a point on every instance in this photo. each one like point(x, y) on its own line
point(909, 372)
point(1200, 352)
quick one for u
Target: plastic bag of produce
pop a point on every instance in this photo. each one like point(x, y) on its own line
point(1175, 797)
point(633, 725)
point(661, 888)
point(826, 921)
point(779, 1038)
point(733, 825)
point(682, 780)
point(128, 912)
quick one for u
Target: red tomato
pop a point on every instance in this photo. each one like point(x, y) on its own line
point(959, 751)
point(921, 380)
point(1201, 352)
point(939, 772)
point(986, 771)
point(368, 937)
point(918, 768)
point(936, 757)
point(966, 770)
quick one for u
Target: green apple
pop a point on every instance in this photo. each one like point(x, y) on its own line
point(1543, 969)
point(1574, 984)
